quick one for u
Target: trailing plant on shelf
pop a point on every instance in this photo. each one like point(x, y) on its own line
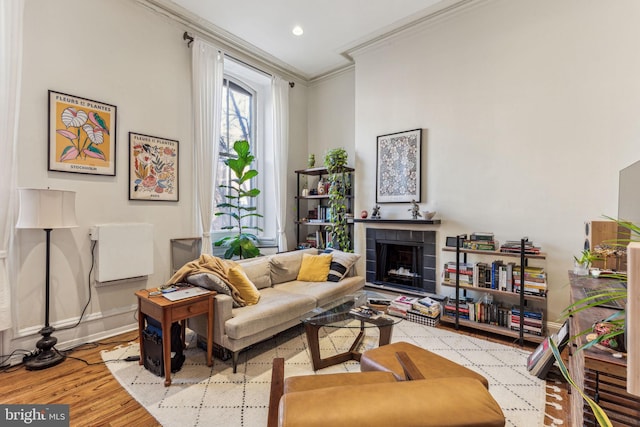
point(616, 320)
point(243, 244)
point(335, 161)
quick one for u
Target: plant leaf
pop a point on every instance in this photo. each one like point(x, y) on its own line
point(598, 412)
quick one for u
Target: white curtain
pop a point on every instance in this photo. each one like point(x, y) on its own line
point(207, 77)
point(280, 93)
point(11, 12)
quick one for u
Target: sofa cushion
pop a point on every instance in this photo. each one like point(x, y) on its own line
point(341, 263)
point(258, 270)
point(275, 308)
point(245, 287)
point(212, 282)
point(314, 268)
point(285, 266)
point(323, 292)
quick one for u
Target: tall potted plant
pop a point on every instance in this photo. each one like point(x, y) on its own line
point(243, 244)
point(335, 161)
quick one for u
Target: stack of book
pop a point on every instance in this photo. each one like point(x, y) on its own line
point(463, 308)
point(481, 241)
point(515, 246)
point(535, 280)
point(427, 306)
point(401, 305)
point(532, 321)
point(465, 273)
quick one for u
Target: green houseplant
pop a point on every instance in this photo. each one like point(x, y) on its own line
point(335, 161)
point(243, 244)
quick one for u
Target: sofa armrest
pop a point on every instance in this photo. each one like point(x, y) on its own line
point(222, 307)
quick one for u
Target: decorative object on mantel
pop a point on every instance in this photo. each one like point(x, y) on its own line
point(399, 221)
point(415, 210)
point(398, 167)
point(428, 215)
point(364, 214)
point(375, 212)
point(312, 161)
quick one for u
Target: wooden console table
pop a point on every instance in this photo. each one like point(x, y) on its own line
point(602, 376)
point(167, 312)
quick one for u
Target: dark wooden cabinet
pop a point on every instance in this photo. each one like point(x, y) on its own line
point(602, 376)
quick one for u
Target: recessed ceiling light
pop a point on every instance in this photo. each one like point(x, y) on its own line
point(297, 30)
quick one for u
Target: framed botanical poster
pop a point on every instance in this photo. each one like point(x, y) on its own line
point(153, 168)
point(82, 135)
point(398, 167)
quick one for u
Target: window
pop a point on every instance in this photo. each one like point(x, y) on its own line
point(246, 114)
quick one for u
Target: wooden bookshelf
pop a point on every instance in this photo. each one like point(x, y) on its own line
point(495, 292)
point(494, 329)
point(496, 253)
point(521, 296)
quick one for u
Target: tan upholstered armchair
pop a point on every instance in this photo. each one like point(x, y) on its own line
point(377, 398)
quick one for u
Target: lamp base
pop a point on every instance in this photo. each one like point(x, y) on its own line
point(47, 357)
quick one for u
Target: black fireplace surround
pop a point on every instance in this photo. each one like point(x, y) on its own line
point(401, 259)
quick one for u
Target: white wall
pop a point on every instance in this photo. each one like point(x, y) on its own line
point(332, 116)
point(529, 110)
point(120, 53)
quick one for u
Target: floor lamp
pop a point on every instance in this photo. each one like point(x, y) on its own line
point(46, 209)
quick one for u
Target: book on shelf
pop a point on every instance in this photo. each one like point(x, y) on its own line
point(480, 245)
point(515, 246)
point(481, 236)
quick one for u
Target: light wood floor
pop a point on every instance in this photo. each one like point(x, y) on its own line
point(94, 395)
point(97, 399)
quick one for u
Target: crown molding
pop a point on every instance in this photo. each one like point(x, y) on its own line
point(258, 58)
point(229, 43)
point(452, 8)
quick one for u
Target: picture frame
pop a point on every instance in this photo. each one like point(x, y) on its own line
point(153, 168)
point(82, 135)
point(398, 167)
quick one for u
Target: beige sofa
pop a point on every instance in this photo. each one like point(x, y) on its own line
point(283, 300)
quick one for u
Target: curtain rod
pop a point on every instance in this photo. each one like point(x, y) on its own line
point(189, 38)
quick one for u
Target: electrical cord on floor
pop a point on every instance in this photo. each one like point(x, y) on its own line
point(93, 258)
point(5, 357)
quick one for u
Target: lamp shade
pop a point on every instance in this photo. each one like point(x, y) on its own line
point(44, 208)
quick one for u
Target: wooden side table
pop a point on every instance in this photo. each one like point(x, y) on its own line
point(167, 312)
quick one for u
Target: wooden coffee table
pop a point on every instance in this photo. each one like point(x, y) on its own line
point(167, 312)
point(338, 315)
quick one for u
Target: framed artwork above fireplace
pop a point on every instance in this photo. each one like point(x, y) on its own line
point(398, 167)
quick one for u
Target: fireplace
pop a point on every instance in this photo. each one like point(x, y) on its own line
point(401, 259)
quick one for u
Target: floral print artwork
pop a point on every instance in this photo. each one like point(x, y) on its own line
point(153, 168)
point(81, 135)
point(399, 167)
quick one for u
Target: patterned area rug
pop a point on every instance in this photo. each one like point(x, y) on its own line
point(214, 396)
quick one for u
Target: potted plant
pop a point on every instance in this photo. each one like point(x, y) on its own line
point(243, 244)
point(581, 265)
point(335, 161)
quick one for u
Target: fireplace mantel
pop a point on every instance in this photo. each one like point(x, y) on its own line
point(399, 221)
